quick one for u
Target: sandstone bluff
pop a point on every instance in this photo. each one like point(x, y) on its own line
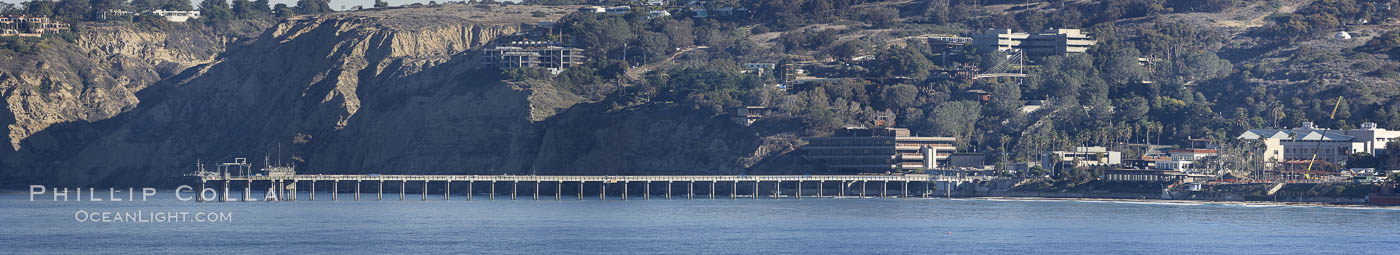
point(390, 91)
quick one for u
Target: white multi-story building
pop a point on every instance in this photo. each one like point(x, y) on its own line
point(1182, 159)
point(177, 16)
point(1052, 42)
point(1082, 156)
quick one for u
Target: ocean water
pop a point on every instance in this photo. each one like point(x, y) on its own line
point(701, 226)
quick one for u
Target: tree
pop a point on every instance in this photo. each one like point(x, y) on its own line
point(848, 49)
point(1202, 65)
point(1132, 109)
point(601, 34)
point(1385, 43)
point(282, 11)
point(72, 10)
point(681, 33)
point(881, 17)
point(215, 10)
point(313, 6)
point(938, 12)
point(243, 9)
point(1006, 100)
point(40, 8)
point(139, 6)
point(100, 7)
point(956, 119)
point(1120, 65)
point(175, 5)
point(902, 61)
point(899, 96)
point(1203, 5)
point(380, 4)
point(1392, 156)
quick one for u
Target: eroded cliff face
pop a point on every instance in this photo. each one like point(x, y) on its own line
point(97, 75)
point(341, 92)
point(390, 91)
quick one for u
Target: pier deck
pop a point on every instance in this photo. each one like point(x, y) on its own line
point(283, 187)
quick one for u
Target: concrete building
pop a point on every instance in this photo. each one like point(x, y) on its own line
point(973, 160)
point(177, 16)
point(758, 68)
point(619, 10)
point(879, 150)
point(1183, 159)
point(1052, 42)
point(536, 54)
point(657, 14)
point(1335, 146)
point(747, 115)
point(1082, 156)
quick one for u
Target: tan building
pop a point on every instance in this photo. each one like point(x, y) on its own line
point(1302, 143)
point(30, 26)
point(879, 150)
point(1052, 42)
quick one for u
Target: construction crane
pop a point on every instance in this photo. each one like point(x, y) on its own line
point(1333, 116)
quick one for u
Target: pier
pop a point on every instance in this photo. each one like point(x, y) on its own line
point(284, 187)
point(283, 183)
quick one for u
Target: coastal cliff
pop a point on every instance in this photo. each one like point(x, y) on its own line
point(385, 91)
point(96, 74)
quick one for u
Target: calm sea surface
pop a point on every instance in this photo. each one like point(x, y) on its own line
point(765, 226)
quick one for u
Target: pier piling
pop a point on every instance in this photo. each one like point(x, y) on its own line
point(712, 190)
point(755, 190)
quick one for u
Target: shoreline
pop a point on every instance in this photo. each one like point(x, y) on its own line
point(1082, 199)
point(1186, 202)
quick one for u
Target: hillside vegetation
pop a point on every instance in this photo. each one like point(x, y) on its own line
point(404, 90)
